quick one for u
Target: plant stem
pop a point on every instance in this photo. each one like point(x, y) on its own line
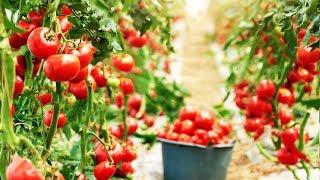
point(307, 169)
point(53, 126)
point(301, 133)
point(85, 125)
point(293, 171)
point(265, 153)
point(124, 118)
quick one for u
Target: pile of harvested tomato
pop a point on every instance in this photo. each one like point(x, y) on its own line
point(197, 127)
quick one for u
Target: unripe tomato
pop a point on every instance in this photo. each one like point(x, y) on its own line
point(101, 153)
point(98, 76)
point(27, 27)
point(65, 25)
point(62, 67)
point(285, 96)
point(123, 62)
point(266, 89)
point(65, 10)
point(47, 120)
point(103, 171)
point(126, 86)
point(187, 127)
point(129, 154)
point(36, 16)
point(125, 169)
point(188, 112)
point(287, 157)
point(16, 41)
point(41, 45)
point(45, 98)
point(22, 168)
point(81, 76)
point(204, 120)
point(18, 86)
point(138, 41)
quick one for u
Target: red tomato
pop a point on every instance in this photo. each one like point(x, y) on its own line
point(125, 169)
point(177, 126)
point(123, 62)
point(301, 33)
point(257, 107)
point(266, 89)
point(149, 120)
point(101, 153)
point(103, 171)
point(204, 120)
point(27, 27)
point(252, 124)
point(225, 127)
point(65, 10)
point(307, 56)
point(62, 67)
point(126, 86)
point(16, 41)
point(187, 127)
point(289, 137)
point(214, 137)
point(98, 76)
point(82, 177)
point(81, 76)
point(40, 45)
point(58, 176)
point(36, 66)
point(304, 75)
point(287, 157)
point(129, 154)
point(285, 116)
point(188, 112)
point(21, 168)
point(172, 136)
point(36, 16)
point(12, 110)
point(47, 120)
point(118, 99)
point(285, 96)
point(65, 25)
point(132, 126)
point(20, 66)
point(134, 104)
point(130, 32)
point(18, 86)
point(184, 138)
point(162, 133)
point(116, 154)
point(138, 41)
point(116, 131)
point(45, 98)
point(203, 136)
point(79, 90)
point(85, 53)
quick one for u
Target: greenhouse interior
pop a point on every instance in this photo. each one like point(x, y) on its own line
point(160, 90)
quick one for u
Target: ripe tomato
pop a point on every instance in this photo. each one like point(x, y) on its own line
point(187, 127)
point(101, 153)
point(16, 41)
point(20, 66)
point(12, 110)
point(129, 154)
point(21, 168)
point(149, 120)
point(252, 124)
point(65, 25)
point(79, 90)
point(130, 32)
point(18, 86)
point(307, 56)
point(45, 98)
point(62, 67)
point(257, 107)
point(184, 138)
point(162, 133)
point(285, 116)
point(81, 76)
point(214, 137)
point(104, 171)
point(41, 45)
point(177, 126)
point(138, 41)
point(172, 136)
point(304, 75)
point(116, 154)
point(118, 99)
point(125, 169)
point(188, 112)
point(98, 76)
point(65, 10)
point(132, 126)
point(36, 16)
point(123, 62)
point(27, 27)
point(289, 137)
point(126, 86)
point(225, 127)
point(204, 120)
point(285, 96)
point(85, 53)
point(287, 157)
point(47, 120)
point(266, 89)
point(116, 131)
point(134, 104)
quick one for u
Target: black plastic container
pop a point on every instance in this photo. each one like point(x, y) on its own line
point(183, 161)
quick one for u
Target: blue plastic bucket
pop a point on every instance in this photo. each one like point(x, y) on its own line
point(183, 161)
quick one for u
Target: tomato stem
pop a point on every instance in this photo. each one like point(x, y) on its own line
point(265, 153)
point(85, 125)
point(53, 126)
point(124, 118)
point(301, 133)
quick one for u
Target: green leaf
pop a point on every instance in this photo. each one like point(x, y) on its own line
point(311, 103)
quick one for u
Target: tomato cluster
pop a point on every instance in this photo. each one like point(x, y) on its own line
point(197, 127)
